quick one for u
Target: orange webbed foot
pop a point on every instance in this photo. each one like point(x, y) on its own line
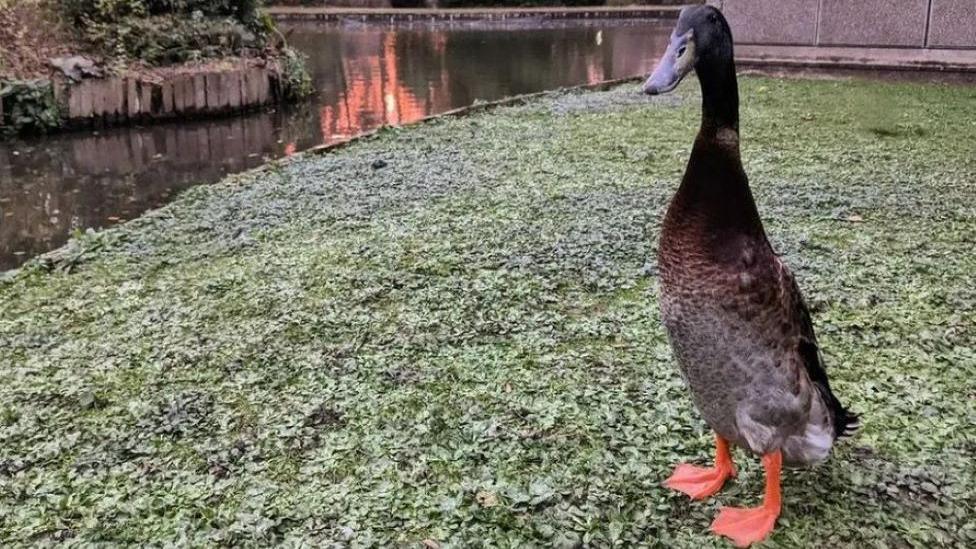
point(701, 482)
point(698, 482)
point(745, 526)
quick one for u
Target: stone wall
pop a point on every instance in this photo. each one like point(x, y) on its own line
point(869, 23)
point(98, 101)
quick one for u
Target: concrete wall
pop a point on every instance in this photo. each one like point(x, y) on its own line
point(871, 23)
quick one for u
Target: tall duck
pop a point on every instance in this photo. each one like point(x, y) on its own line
point(741, 333)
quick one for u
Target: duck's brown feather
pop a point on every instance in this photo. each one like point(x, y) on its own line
point(740, 330)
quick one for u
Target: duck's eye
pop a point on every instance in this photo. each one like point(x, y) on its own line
point(681, 50)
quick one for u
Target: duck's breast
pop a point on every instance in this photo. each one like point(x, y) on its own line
point(733, 347)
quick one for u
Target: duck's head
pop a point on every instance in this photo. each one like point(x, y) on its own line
point(700, 40)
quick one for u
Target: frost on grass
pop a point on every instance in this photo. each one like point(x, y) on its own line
point(450, 333)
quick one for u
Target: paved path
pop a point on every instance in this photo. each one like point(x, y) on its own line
point(886, 59)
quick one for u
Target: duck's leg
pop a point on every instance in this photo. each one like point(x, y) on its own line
point(701, 482)
point(749, 525)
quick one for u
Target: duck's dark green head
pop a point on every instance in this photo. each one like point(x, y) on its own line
point(701, 40)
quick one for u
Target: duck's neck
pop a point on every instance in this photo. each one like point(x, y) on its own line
point(720, 96)
point(714, 195)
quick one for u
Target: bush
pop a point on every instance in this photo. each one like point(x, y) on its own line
point(296, 82)
point(244, 11)
point(166, 39)
point(102, 11)
point(169, 31)
point(28, 106)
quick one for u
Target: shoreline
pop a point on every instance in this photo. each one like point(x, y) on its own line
point(284, 13)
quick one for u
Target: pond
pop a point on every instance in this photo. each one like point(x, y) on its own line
point(366, 75)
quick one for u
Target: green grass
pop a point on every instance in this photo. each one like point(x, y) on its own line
point(464, 345)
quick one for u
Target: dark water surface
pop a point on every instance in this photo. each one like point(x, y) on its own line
point(366, 75)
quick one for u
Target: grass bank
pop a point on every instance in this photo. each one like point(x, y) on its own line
point(449, 332)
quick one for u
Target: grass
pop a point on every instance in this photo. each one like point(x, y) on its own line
point(463, 346)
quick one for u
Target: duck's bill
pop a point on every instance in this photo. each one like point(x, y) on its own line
point(677, 61)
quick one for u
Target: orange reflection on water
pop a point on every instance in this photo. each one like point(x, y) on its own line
point(397, 76)
point(377, 94)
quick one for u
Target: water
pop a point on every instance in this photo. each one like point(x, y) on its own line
point(366, 75)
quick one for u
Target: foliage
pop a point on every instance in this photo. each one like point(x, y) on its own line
point(461, 343)
point(296, 81)
point(102, 11)
point(107, 11)
point(166, 39)
point(170, 31)
point(28, 106)
point(245, 11)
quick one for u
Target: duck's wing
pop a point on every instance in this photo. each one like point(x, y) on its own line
point(843, 421)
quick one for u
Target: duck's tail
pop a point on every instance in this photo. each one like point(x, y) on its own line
point(846, 423)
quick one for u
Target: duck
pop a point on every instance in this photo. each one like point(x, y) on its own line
point(740, 331)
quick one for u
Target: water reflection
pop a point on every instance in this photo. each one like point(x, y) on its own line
point(366, 76)
point(50, 188)
point(370, 76)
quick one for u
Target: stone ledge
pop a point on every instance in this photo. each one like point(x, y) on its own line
point(893, 59)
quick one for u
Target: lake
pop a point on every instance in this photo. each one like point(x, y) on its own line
point(365, 74)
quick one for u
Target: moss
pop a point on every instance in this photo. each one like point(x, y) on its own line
point(463, 344)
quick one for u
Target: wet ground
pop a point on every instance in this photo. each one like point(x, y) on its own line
point(366, 75)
